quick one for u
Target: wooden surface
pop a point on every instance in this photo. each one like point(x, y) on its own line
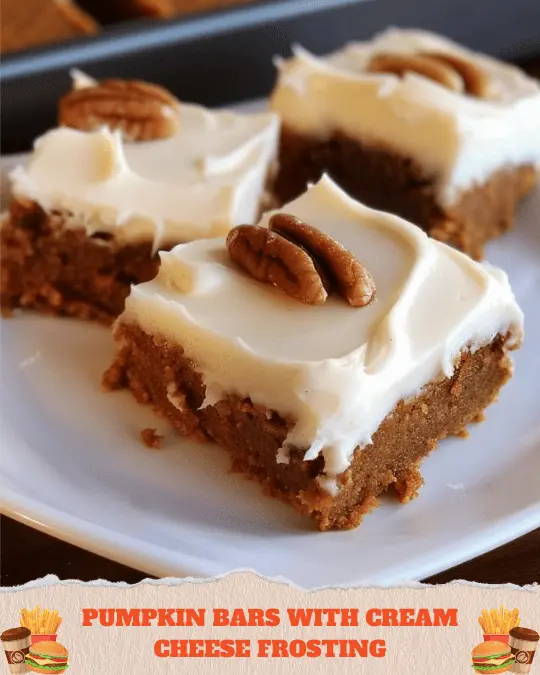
point(27, 554)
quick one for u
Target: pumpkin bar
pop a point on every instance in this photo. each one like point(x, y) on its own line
point(413, 124)
point(328, 349)
point(132, 171)
point(116, 10)
point(30, 23)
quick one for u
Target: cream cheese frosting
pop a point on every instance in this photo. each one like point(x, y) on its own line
point(335, 370)
point(208, 177)
point(459, 139)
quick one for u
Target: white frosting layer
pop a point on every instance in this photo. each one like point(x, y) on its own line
point(208, 177)
point(336, 370)
point(458, 138)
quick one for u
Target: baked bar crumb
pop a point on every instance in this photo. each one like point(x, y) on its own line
point(408, 483)
point(151, 438)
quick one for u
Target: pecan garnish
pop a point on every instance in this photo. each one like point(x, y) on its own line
point(141, 111)
point(452, 72)
point(475, 80)
point(351, 279)
point(301, 260)
point(272, 259)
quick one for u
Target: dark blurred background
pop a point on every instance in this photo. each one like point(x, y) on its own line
point(225, 57)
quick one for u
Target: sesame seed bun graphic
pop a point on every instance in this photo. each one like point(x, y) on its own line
point(492, 657)
point(47, 657)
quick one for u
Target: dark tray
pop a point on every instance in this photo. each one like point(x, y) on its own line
point(226, 56)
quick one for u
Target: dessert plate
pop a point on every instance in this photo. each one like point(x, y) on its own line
point(72, 464)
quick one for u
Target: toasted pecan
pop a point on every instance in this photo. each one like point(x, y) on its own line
point(272, 259)
point(300, 260)
point(352, 280)
point(451, 71)
point(141, 111)
point(399, 64)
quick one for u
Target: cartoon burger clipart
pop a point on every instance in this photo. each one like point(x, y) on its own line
point(47, 657)
point(492, 657)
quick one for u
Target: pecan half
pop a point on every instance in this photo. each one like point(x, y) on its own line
point(399, 64)
point(269, 258)
point(141, 111)
point(452, 72)
point(474, 78)
point(351, 279)
point(300, 260)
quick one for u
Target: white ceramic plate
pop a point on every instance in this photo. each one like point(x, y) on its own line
point(73, 466)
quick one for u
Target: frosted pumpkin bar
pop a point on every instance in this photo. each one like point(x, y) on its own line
point(328, 349)
point(126, 9)
point(415, 124)
point(33, 23)
point(129, 171)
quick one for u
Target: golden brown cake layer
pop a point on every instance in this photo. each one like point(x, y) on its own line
point(157, 373)
point(60, 270)
point(388, 181)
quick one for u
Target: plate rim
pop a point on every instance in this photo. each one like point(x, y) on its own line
point(497, 534)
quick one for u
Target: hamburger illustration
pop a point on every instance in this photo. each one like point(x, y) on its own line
point(492, 657)
point(47, 657)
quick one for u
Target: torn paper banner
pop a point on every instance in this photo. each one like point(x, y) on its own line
point(243, 623)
